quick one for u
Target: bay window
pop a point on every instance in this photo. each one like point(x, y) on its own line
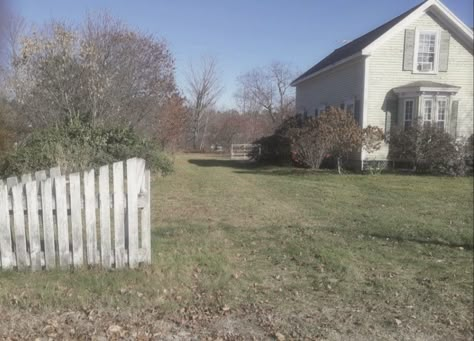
point(442, 113)
point(409, 106)
point(427, 111)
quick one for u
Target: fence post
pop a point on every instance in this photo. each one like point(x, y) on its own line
point(119, 215)
point(76, 218)
point(48, 227)
point(146, 219)
point(63, 221)
point(33, 224)
point(91, 233)
point(6, 250)
point(104, 206)
point(19, 226)
point(132, 213)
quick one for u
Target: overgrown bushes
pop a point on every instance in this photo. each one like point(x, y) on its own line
point(431, 150)
point(79, 146)
point(335, 133)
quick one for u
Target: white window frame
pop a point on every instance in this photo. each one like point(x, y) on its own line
point(446, 113)
point(413, 113)
point(417, 45)
point(435, 99)
point(423, 107)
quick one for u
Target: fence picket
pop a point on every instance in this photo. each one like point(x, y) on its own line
point(62, 220)
point(48, 223)
point(119, 215)
point(91, 233)
point(12, 181)
point(25, 178)
point(6, 251)
point(104, 206)
point(44, 238)
point(54, 172)
point(146, 219)
point(19, 227)
point(33, 225)
point(132, 213)
point(76, 218)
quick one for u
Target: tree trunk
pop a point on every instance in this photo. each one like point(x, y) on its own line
point(339, 166)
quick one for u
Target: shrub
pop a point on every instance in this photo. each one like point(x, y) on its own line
point(428, 149)
point(79, 146)
point(334, 133)
point(469, 153)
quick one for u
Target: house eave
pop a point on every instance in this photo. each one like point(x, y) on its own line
point(423, 89)
point(327, 68)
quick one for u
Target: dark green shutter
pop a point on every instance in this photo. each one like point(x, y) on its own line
point(409, 50)
point(444, 51)
point(453, 118)
point(357, 111)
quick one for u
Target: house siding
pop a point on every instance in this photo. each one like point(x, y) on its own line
point(386, 72)
point(331, 88)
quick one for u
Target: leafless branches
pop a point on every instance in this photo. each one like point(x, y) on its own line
point(267, 89)
point(203, 90)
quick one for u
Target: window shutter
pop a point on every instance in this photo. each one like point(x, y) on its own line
point(409, 50)
point(444, 51)
point(357, 111)
point(453, 118)
point(391, 114)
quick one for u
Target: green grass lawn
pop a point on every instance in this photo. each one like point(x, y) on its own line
point(241, 251)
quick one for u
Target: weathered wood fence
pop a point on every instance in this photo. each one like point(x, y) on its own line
point(245, 151)
point(53, 220)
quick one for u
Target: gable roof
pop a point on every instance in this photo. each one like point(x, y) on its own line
point(357, 46)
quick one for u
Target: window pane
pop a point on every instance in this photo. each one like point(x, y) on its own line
point(428, 109)
point(441, 110)
point(426, 52)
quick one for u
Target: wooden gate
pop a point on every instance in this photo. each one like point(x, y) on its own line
point(245, 151)
point(53, 220)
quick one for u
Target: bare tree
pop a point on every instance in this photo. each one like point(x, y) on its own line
point(202, 91)
point(267, 89)
point(102, 73)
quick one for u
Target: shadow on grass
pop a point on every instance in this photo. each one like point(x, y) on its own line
point(224, 163)
point(401, 239)
point(251, 167)
point(288, 171)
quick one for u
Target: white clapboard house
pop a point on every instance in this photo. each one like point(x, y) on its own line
point(418, 65)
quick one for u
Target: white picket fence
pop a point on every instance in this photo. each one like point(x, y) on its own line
point(245, 151)
point(75, 220)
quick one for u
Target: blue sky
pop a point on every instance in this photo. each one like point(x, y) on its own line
point(241, 34)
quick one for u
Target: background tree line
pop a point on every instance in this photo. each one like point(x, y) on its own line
point(104, 74)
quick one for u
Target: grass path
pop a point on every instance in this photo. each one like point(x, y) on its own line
point(241, 251)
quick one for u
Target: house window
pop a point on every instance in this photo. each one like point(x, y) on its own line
point(427, 111)
point(442, 113)
point(425, 57)
point(408, 112)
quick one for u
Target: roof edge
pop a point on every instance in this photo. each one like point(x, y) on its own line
point(327, 68)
